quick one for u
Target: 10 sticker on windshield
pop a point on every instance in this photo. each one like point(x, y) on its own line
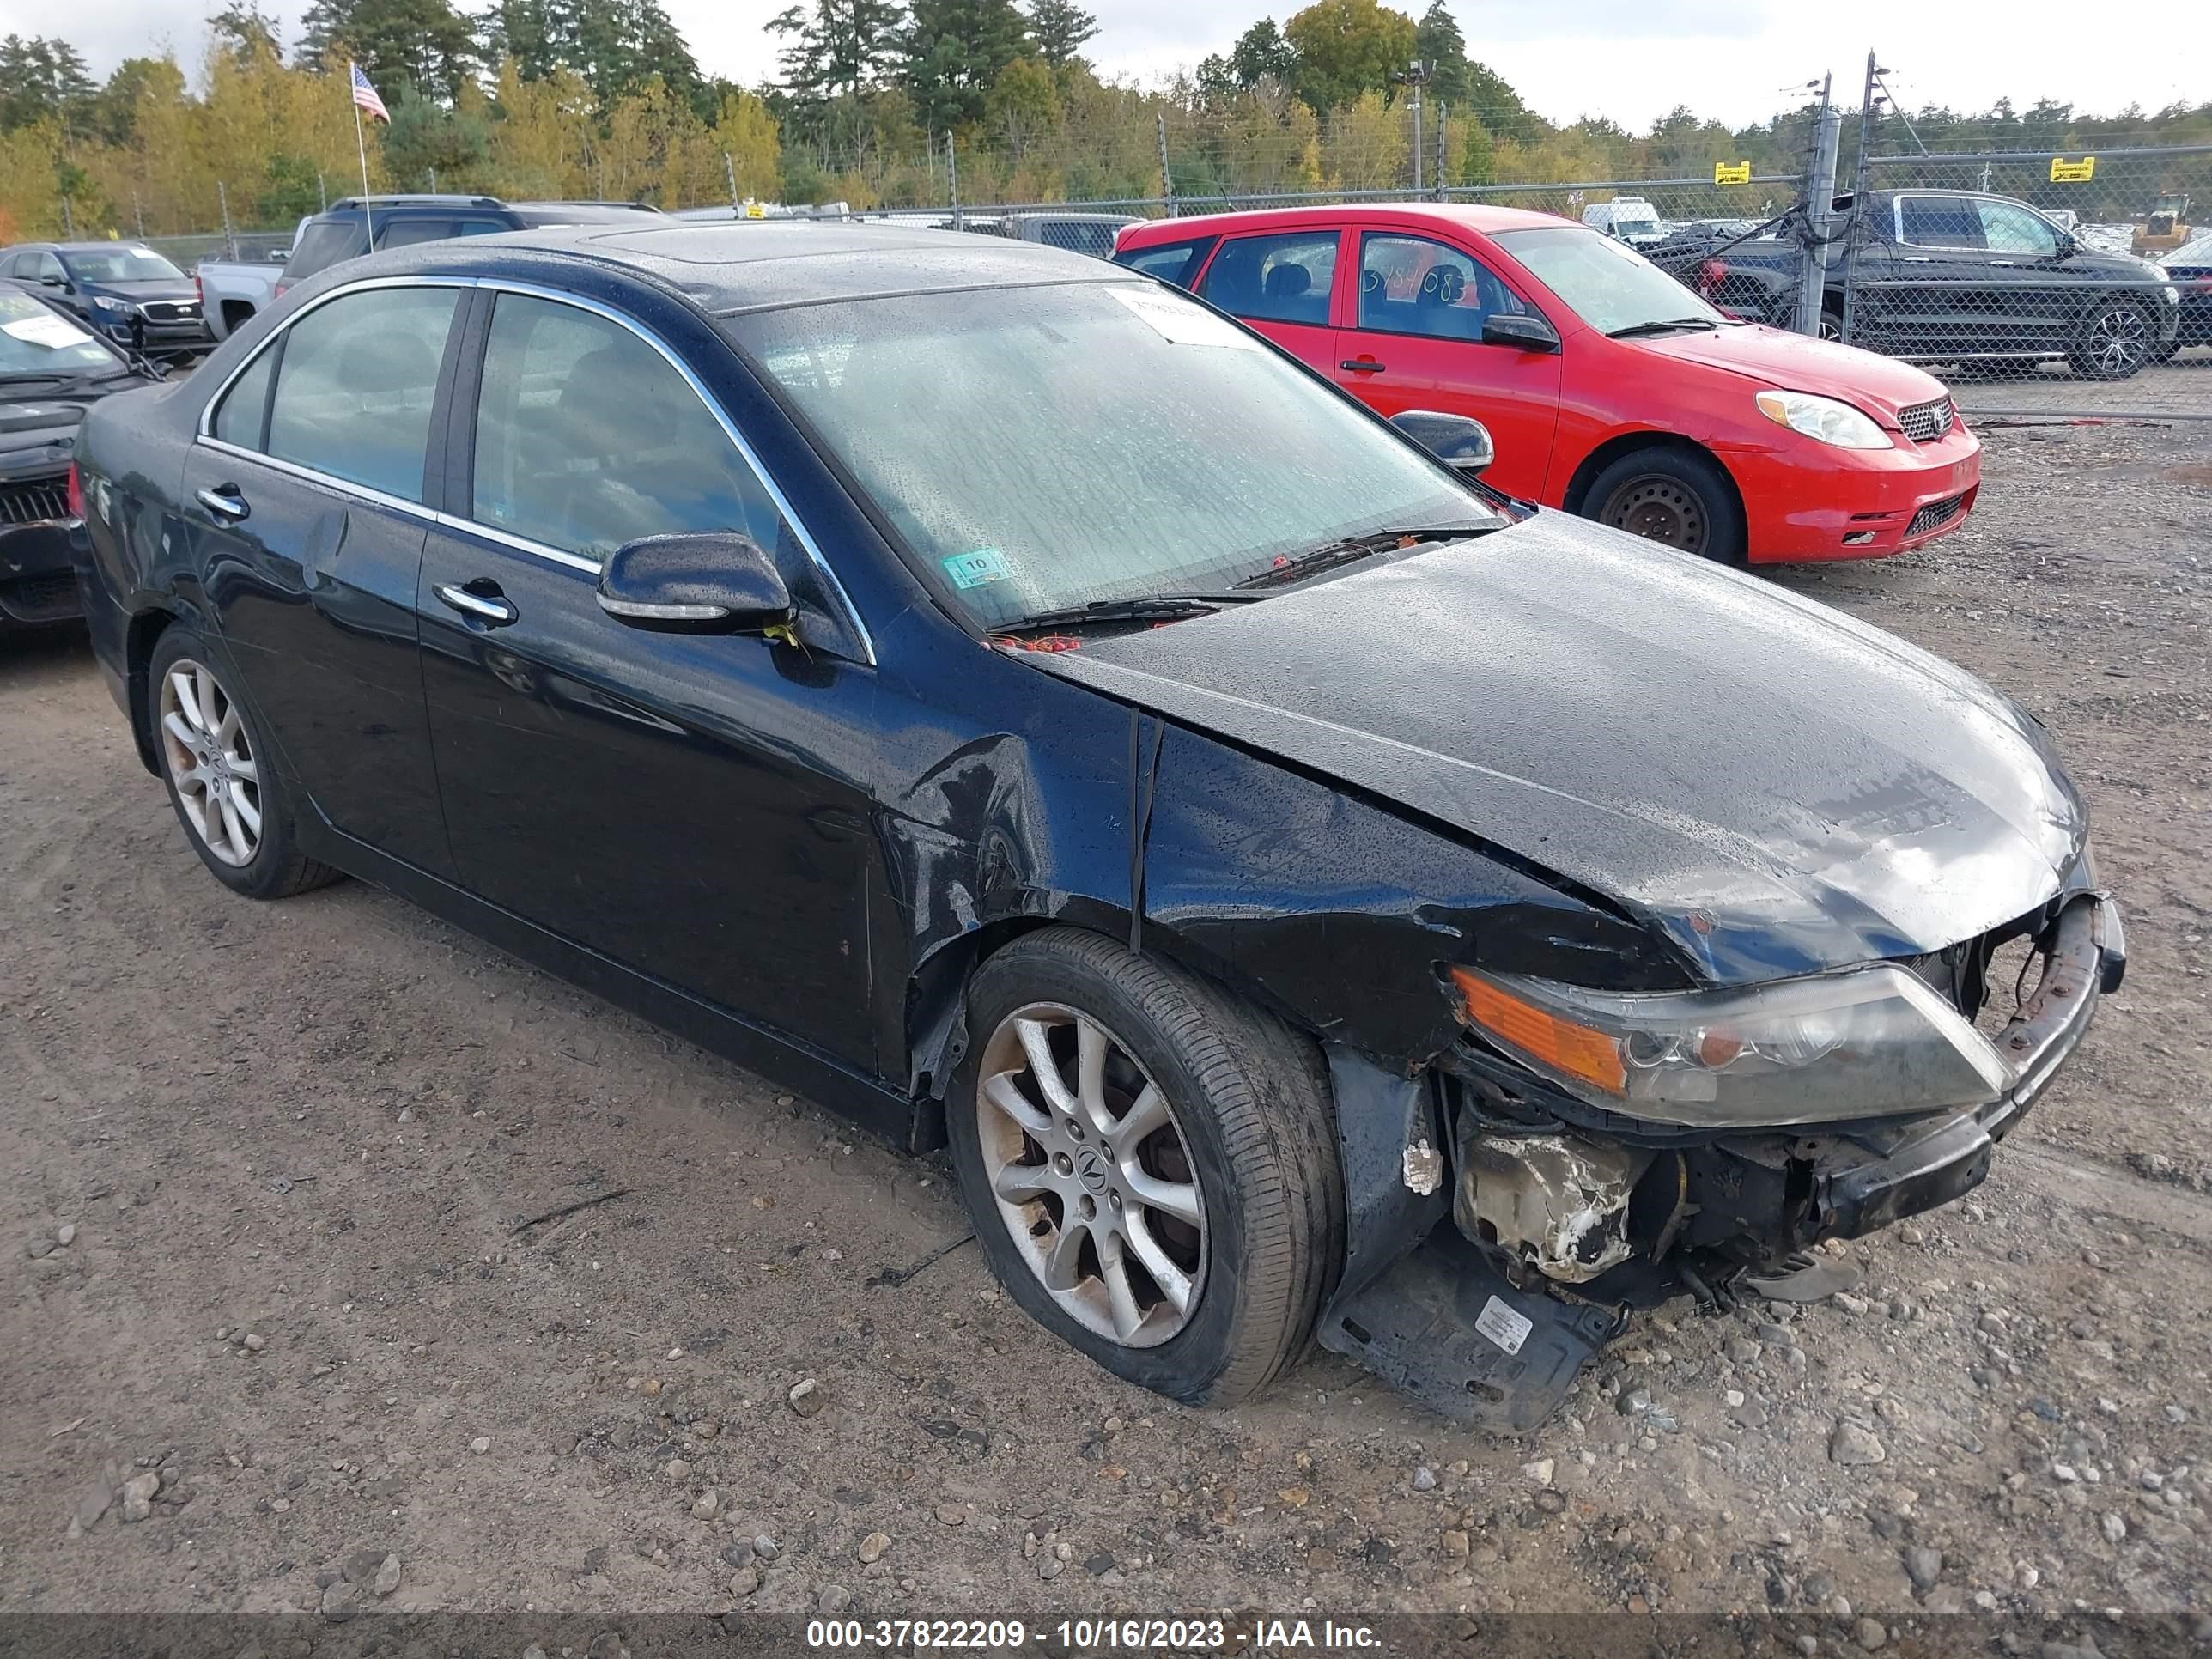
point(1180, 321)
point(977, 569)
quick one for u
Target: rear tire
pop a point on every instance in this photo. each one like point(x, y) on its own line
point(1677, 497)
point(235, 808)
point(1242, 1136)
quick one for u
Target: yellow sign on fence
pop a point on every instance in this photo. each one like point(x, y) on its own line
point(2073, 172)
point(1731, 172)
point(755, 211)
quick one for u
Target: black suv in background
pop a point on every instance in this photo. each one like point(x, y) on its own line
point(1949, 277)
point(125, 290)
point(343, 232)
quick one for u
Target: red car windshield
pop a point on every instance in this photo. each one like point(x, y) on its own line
point(1609, 286)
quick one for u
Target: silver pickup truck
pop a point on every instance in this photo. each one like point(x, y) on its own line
point(231, 290)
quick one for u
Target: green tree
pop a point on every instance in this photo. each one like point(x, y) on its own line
point(1058, 29)
point(955, 53)
point(135, 80)
point(1438, 43)
point(244, 30)
point(423, 44)
point(838, 46)
point(616, 45)
point(1348, 48)
point(43, 80)
point(1262, 54)
point(426, 140)
point(1023, 102)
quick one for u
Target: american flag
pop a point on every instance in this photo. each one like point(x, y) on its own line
point(365, 95)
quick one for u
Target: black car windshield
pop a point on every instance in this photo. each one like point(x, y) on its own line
point(121, 265)
point(1609, 286)
point(36, 340)
point(1042, 448)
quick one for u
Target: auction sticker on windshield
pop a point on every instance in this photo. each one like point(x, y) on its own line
point(1181, 323)
point(977, 569)
point(50, 332)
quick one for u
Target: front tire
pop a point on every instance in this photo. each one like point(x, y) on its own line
point(1675, 496)
point(1151, 1163)
point(222, 783)
point(2118, 339)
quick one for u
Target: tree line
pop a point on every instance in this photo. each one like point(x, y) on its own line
point(873, 102)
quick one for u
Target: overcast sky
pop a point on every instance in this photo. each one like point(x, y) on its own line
point(1632, 60)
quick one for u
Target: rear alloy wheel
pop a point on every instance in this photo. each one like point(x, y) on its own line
point(1151, 1163)
point(2119, 339)
point(225, 789)
point(1673, 496)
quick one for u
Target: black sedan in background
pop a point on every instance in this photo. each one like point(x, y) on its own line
point(130, 294)
point(51, 372)
point(1012, 702)
point(2191, 267)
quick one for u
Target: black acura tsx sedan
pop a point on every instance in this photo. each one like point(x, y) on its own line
point(1307, 894)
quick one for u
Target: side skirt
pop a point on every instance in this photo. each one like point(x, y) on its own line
point(911, 1126)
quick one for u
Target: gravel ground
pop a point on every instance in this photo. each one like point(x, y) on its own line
point(273, 1338)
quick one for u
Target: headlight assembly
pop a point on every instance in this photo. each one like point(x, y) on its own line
point(1872, 1042)
point(102, 303)
point(1825, 420)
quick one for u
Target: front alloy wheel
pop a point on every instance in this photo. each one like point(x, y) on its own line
point(1092, 1175)
point(211, 762)
point(2117, 342)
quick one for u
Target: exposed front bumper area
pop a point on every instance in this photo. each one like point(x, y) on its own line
point(1557, 1228)
point(38, 585)
point(1856, 504)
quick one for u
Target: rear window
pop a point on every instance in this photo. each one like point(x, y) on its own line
point(324, 244)
point(1171, 262)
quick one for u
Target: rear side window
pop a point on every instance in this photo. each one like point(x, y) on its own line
point(1941, 221)
point(1278, 279)
point(324, 244)
point(586, 439)
point(355, 386)
point(1171, 262)
point(241, 417)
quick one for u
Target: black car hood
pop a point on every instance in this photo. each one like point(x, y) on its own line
point(1780, 789)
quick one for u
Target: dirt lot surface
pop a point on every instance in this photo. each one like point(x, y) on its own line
point(265, 1166)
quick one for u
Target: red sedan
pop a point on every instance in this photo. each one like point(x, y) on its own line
point(1610, 389)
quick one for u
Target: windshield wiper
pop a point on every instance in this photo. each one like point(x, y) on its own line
point(1660, 327)
point(1144, 607)
point(1352, 549)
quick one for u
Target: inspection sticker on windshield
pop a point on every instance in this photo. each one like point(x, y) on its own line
point(1508, 1329)
point(49, 331)
point(985, 565)
point(1178, 321)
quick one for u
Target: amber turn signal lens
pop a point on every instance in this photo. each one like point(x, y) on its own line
point(1561, 1044)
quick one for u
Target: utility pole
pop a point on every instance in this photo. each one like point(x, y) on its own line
point(322, 191)
point(1820, 209)
point(1167, 178)
point(137, 216)
point(68, 221)
point(730, 172)
point(1441, 185)
point(1858, 202)
point(952, 178)
point(229, 241)
point(433, 181)
point(1416, 73)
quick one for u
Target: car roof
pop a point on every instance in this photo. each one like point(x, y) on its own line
point(760, 264)
point(1458, 216)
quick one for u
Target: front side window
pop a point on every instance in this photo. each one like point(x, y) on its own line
point(1040, 447)
point(356, 385)
point(2007, 228)
point(1276, 279)
point(1948, 222)
point(1413, 285)
point(586, 439)
point(1171, 262)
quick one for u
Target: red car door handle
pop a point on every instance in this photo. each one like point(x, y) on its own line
point(1362, 366)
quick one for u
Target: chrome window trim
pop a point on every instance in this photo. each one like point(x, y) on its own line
point(520, 544)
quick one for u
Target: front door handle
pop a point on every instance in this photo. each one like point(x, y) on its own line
point(224, 501)
point(1362, 366)
point(494, 609)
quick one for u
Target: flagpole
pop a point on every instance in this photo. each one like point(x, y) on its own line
point(361, 143)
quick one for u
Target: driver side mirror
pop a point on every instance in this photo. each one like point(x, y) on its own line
point(1524, 331)
point(2069, 245)
point(53, 282)
point(1460, 443)
point(705, 582)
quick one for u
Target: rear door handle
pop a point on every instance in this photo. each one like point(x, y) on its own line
point(224, 501)
point(494, 609)
point(1362, 366)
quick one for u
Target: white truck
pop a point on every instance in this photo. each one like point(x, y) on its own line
point(231, 290)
